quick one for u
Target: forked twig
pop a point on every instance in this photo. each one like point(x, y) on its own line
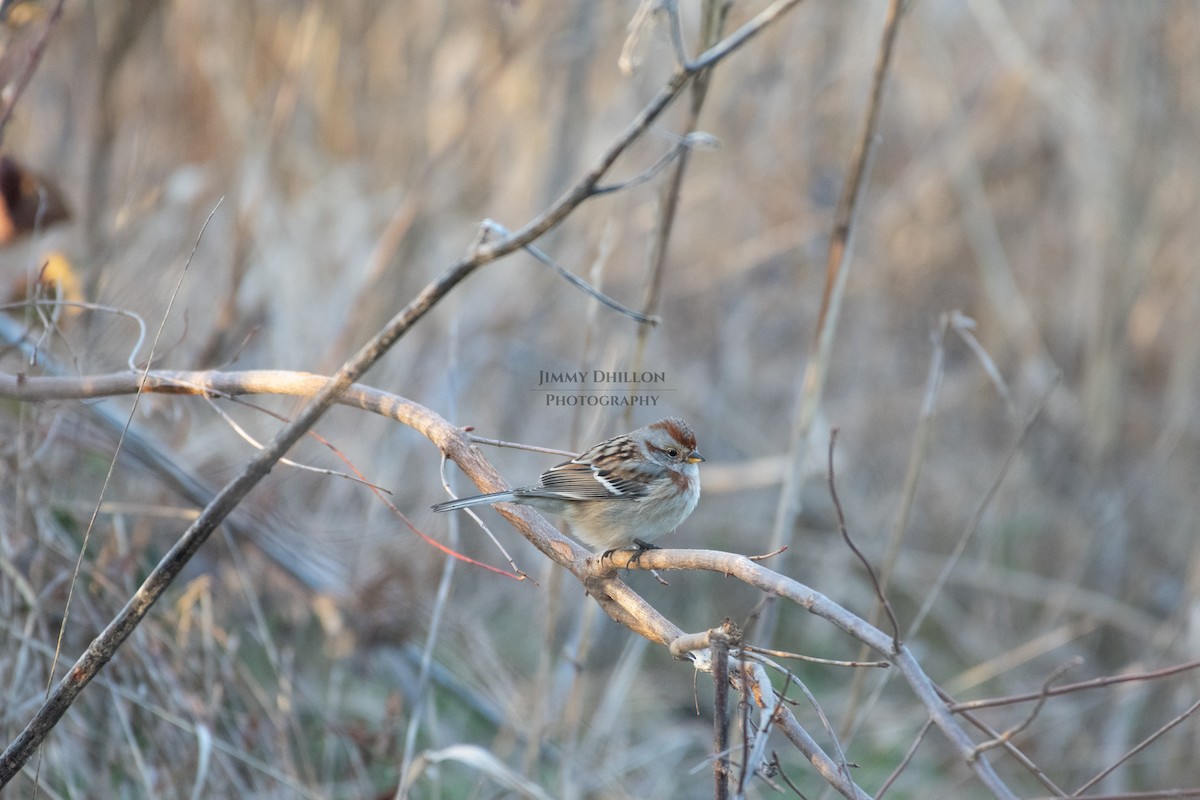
point(1011, 749)
point(1008, 735)
point(677, 151)
point(574, 279)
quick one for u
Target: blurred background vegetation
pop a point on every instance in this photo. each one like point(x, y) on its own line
point(1036, 169)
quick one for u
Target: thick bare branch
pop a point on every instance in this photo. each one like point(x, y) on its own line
point(599, 576)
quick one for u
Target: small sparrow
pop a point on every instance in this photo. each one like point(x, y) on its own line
point(621, 493)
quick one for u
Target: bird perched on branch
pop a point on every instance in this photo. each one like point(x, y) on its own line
point(621, 493)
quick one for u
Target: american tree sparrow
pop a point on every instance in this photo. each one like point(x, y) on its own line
point(621, 493)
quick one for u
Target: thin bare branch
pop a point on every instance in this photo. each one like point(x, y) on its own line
point(20, 338)
point(245, 436)
point(964, 326)
point(1011, 749)
point(912, 751)
point(518, 446)
point(1067, 688)
point(684, 145)
point(912, 475)
point(1139, 747)
point(838, 752)
point(574, 279)
point(1009, 734)
point(770, 555)
point(422, 695)
point(1160, 794)
point(829, 662)
point(738, 38)
point(841, 518)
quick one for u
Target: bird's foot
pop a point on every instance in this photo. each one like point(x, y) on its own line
point(638, 548)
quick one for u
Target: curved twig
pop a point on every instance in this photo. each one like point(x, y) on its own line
point(845, 532)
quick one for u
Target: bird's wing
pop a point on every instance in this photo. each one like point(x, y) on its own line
point(581, 481)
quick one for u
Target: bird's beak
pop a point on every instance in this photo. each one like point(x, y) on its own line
point(694, 458)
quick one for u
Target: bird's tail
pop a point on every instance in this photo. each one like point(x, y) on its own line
point(477, 500)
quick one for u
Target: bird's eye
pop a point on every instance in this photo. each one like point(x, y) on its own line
point(672, 452)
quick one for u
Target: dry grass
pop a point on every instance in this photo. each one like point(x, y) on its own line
point(1036, 170)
